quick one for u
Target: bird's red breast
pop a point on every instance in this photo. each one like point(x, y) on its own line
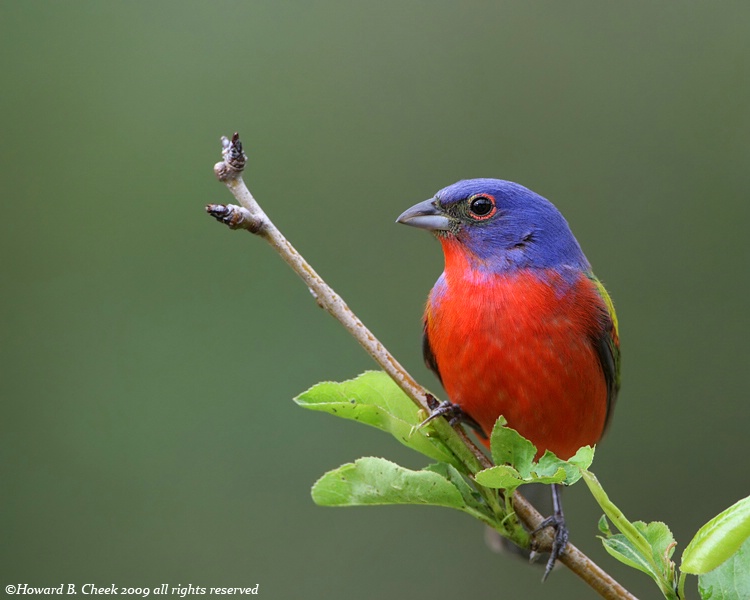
point(520, 344)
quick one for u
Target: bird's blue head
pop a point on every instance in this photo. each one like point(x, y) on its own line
point(501, 225)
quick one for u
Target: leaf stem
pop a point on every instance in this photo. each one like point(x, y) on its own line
point(251, 216)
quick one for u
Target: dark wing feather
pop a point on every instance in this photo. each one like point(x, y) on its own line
point(607, 345)
point(609, 356)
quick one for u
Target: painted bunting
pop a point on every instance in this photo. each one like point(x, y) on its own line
point(517, 324)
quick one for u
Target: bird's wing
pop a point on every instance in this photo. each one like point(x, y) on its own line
point(607, 345)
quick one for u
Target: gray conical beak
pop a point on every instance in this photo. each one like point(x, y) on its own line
point(425, 215)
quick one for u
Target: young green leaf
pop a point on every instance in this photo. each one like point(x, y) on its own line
point(376, 481)
point(374, 399)
point(509, 447)
point(718, 539)
point(514, 458)
point(502, 477)
point(372, 481)
point(549, 464)
point(731, 579)
point(508, 478)
point(616, 515)
point(618, 546)
point(656, 563)
point(647, 547)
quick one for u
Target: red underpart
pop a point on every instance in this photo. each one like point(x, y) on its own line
point(513, 345)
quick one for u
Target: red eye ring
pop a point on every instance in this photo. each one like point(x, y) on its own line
point(481, 207)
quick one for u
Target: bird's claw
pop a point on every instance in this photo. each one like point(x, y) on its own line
point(446, 409)
point(453, 412)
point(559, 540)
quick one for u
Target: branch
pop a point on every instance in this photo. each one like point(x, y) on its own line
point(251, 216)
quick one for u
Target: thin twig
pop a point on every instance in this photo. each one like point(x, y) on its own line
point(251, 216)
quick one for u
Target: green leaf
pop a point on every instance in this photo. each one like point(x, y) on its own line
point(656, 562)
point(514, 456)
point(549, 465)
point(506, 477)
point(647, 547)
point(718, 539)
point(661, 540)
point(616, 515)
point(374, 399)
point(373, 481)
point(471, 497)
point(501, 476)
point(510, 447)
point(558, 476)
point(625, 551)
point(583, 458)
point(731, 579)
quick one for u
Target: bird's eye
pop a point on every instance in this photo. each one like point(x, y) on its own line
point(482, 207)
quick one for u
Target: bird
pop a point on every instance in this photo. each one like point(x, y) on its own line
point(517, 324)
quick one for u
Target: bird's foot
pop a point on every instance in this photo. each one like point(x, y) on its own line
point(453, 412)
point(559, 540)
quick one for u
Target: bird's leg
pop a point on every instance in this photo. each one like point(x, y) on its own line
point(557, 522)
point(453, 412)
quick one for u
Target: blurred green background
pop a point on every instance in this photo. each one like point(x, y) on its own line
point(149, 355)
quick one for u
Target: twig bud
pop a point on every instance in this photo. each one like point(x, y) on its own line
point(235, 217)
point(234, 158)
